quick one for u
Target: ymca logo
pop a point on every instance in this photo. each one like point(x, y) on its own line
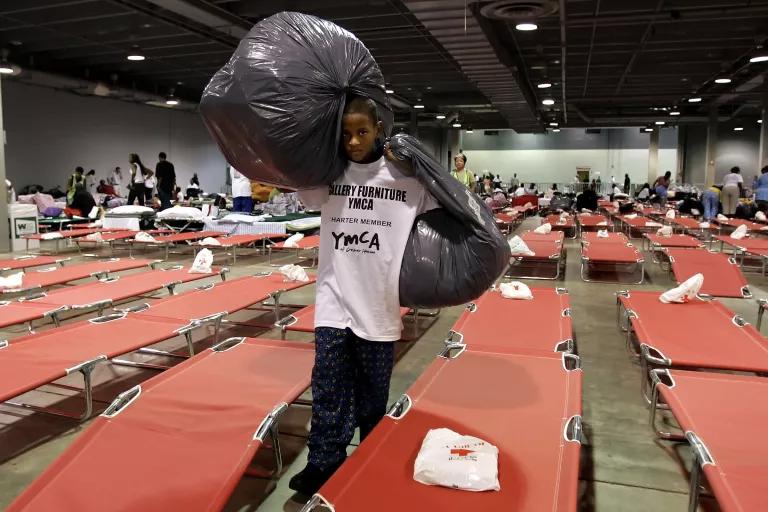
point(366, 241)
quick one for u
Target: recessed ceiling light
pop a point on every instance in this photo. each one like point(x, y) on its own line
point(659, 123)
point(760, 57)
point(554, 124)
point(469, 130)
point(526, 27)
point(544, 85)
point(456, 125)
point(547, 101)
point(648, 129)
point(389, 91)
point(674, 112)
point(172, 100)
point(440, 116)
point(135, 54)
point(738, 129)
point(695, 99)
point(723, 80)
point(759, 121)
point(556, 130)
point(418, 105)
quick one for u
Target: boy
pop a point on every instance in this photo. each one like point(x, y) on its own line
point(367, 215)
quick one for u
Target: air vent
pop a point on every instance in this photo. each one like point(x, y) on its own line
point(518, 9)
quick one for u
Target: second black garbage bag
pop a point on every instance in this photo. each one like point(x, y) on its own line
point(454, 253)
point(275, 108)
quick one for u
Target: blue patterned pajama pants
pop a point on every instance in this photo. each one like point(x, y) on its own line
point(350, 388)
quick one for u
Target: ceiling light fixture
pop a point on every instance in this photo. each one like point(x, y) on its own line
point(469, 130)
point(544, 85)
point(554, 124)
point(674, 112)
point(759, 121)
point(547, 101)
point(172, 100)
point(135, 54)
point(738, 129)
point(695, 99)
point(556, 130)
point(389, 91)
point(760, 57)
point(418, 105)
point(660, 123)
point(440, 116)
point(647, 129)
point(456, 125)
point(722, 80)
point(526, 27)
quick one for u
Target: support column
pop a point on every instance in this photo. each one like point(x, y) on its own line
point(653, 156)
point(682, 133)
point(454, 145)
point(413, 126)
point(5, 241)
point(762, 156)
point(709, 171)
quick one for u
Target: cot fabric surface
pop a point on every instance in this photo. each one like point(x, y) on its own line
point(22, 262)
point(308, 242)
point(240, 240)
point(591, 237)
point(538, 464)
point(722, 276)
point(681, 241)
point(543, 323)
point(739, 463)
point(60, 275)
point(200, 421)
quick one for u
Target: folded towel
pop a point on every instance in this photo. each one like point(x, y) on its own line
point(12, 282)
point(202, 263)
point(740, 232)
point(544, 228)
point(686, 291)
point(95, 237)
point(94, 213)
point(602, 233)
point(722, 217)
point(760, 216)
point(585, 210)
point(515, 290)
point(695, 212)
point(630, 216)
point(141, 236)
point(664, 231)
point(652, 224)
point(294, 273)
point(704, 225)
point(518, 247)
point(562, 221)
point(670, 214)
point(209, 241)
point(293, 240)
point(602, 223)
point(51, 236)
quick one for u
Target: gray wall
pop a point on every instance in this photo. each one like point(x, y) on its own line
point(568, 138)
point(49, 133)
point(733, 148)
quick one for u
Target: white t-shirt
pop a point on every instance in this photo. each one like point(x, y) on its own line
point(241, 186)
point(366, 218)
point(520, 192)
point(732, 179)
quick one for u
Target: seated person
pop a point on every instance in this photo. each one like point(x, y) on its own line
point(587, 199)
point(531, 191)
point(106, 189)
point(645, 193)
point(520, 191)
point(82, 201)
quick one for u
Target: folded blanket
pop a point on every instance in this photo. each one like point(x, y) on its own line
point(294, 273)
point(740, 232)
point(670, 214)
point(95, 237)
point(12, 282)
point(602, 233)
point(652, 224)
point(293, 240)
point(704, 225)
point(664, 231)
point(515, 290)
point(761, 217)
point(695, 212)
point(686, 291)
point(141, 236)
point(602, 223)
point(585, 210)
point(544, 229)
point(209, 241)
point(630, 216)
point(94, 213)
point(722, 217)
point(51, 236)
point(202, 263)
point(518, 247)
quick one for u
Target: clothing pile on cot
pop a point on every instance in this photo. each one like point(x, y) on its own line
point(399, 331)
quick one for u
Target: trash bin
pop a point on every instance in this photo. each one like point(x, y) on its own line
point(23, 220)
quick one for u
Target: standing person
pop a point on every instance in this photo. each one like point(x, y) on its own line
point(661, 187)
point(136, 180)
point(497, 182)
point(116, 180)
point(733, 185)
point(166, 180)
point(356, 325)
point(149, 186)
point(761, 190)
point(90, 181)
point(627, 183)
point(241, 192)
point(514, 182)
point(75, 179)
point(461, 173)
point(710, 198)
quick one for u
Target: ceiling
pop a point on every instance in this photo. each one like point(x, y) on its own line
point(611, 62)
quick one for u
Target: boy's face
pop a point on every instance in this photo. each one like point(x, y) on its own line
point(359, 133)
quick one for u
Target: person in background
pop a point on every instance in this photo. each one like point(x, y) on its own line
point(356, 325)
point(497, 182)
point(761, 190)
point(10, 191)
point(587, 199)
point(166, 180)
point(104, 188)
point(520, 191)
point(82, 201)
point(116, 180)
point(615, 190)
point(627, 183)
point(241, 192)
point(75, 179)
point(461, 173)
point(754, 183)
point(644, 193)
point(532, 190)
point(150, 181)
point(733, 185)
point(710, 198)
point(487, 186)
point(136, 180)
point(514, 182)
point(661, 187)
point(90, 181)
point(178, 195)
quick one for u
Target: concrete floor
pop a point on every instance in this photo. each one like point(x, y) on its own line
point(623, 467)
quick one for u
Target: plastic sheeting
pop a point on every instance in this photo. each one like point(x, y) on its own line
point(454, 253)
point(275, 108)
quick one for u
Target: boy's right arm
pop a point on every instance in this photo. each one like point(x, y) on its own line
point(313, 198)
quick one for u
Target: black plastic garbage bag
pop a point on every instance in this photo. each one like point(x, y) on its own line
point(454, 253)
point(275, 108)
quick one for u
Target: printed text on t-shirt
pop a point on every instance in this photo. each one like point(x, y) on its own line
point(360, 197)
